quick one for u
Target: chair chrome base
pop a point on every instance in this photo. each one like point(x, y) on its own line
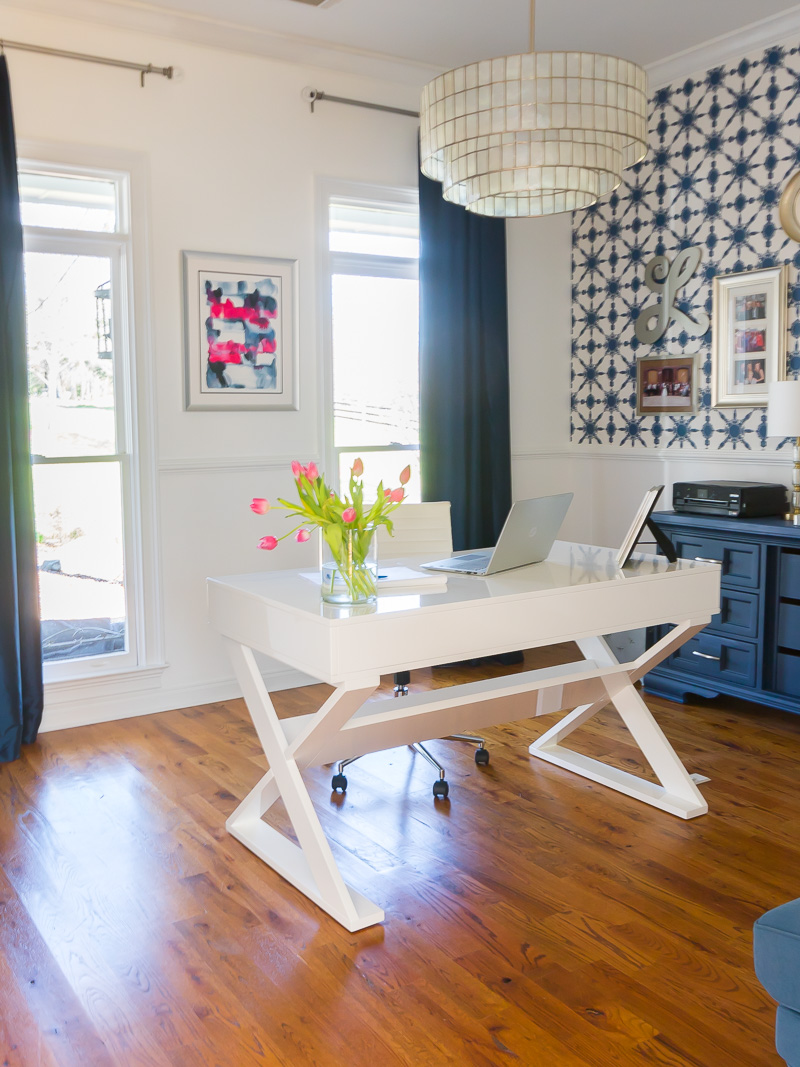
point(440, 786)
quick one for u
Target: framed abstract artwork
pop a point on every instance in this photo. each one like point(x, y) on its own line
point(749, 336)
point(240, 332)
point(666, 384)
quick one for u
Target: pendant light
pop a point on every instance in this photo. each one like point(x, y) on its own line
point(533, 134)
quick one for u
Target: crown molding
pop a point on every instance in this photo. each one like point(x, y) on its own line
point(776, 29)
point(142, 17)
point(137, 16)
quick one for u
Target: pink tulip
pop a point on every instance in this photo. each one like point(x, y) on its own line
point(405, 474)
point(259, 505)
point(302, 535)
point(349, 515)
point(397, 495)
point(387, 492)
point(268, 543)
point(358, 468)
point(297, 469)
point(311, 472)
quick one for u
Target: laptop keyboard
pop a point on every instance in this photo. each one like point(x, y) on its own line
point(462, 562)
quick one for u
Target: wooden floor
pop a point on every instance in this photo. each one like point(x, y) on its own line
point(534, 919)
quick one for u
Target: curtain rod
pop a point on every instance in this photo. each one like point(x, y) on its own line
point(312, 96)
point(143, 68)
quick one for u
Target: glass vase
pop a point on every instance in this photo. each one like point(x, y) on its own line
point(349, 565)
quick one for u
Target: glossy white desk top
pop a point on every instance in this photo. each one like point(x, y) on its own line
point(578, 590)
point(568, 566)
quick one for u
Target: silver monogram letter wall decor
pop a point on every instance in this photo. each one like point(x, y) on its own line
point(665, 280)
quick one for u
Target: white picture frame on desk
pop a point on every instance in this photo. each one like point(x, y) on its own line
point(639, 524)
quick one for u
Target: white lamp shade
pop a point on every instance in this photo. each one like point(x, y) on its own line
point(783, 414)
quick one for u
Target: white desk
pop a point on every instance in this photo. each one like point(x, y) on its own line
point(578, 594)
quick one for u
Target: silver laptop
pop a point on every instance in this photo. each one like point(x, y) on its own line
point(527, 537)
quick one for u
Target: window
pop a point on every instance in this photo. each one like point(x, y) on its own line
point(373, 333)
point(77, 271)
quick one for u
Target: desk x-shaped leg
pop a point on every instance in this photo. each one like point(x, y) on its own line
point(343, 727)
point(676, 793)
point(310, 866)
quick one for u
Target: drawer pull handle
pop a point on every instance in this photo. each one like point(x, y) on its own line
point(705, 655)
point(705, 559)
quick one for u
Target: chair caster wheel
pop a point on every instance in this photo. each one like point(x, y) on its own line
point(440, 790)
point(482, 757)
point(339, 782)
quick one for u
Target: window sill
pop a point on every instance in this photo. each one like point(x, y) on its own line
point(132, 680)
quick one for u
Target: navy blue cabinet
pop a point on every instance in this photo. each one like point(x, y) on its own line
point(751, 649)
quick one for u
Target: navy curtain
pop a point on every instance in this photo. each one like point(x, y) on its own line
point(20, 637)
point(463, 365)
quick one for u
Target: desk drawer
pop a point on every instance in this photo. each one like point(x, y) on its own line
point(790, 574)
point(787, 674)
point(716, 657)
point(740, 559)
point(789, 625)
point(738, 615)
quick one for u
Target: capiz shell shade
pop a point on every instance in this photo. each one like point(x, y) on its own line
point(533, 134)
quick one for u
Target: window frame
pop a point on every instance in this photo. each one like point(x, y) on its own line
point(133, 394)
point(362, 264)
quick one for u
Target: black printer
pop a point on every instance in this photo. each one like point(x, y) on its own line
point(740, 500)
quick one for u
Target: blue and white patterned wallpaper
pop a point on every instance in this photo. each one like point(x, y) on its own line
point(721, 149)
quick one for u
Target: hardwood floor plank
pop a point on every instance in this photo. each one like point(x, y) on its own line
point(43, 1021)
point(535, 918)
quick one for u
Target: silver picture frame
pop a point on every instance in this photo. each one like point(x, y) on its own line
point(749, 340)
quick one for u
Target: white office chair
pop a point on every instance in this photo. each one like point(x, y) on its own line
point(419, 530)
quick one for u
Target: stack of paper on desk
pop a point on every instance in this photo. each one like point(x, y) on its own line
point(402, 577)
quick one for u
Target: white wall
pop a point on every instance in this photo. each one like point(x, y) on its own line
point(539, 267)
point(231, 155)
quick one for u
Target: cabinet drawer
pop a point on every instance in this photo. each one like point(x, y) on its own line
point(739, 559)
point(789, 625)
point(790, 574)
point(738, 614)
point(787, 674)
point(716, 657)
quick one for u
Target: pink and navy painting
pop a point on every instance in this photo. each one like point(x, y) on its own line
point(241, 319)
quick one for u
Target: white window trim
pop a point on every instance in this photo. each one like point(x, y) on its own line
point(349, 263)
point(143, 577)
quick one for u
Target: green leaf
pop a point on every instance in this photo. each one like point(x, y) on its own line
point(333, 535)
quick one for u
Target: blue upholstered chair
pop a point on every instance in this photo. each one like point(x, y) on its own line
point(776, 951)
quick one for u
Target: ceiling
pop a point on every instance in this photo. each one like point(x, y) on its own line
point(446, 33)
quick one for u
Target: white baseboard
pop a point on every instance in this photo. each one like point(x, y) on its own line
point(84, 706)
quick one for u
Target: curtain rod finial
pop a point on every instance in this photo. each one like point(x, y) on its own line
point(311, 96)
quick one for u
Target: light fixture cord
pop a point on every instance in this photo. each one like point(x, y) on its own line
point(533, 22)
